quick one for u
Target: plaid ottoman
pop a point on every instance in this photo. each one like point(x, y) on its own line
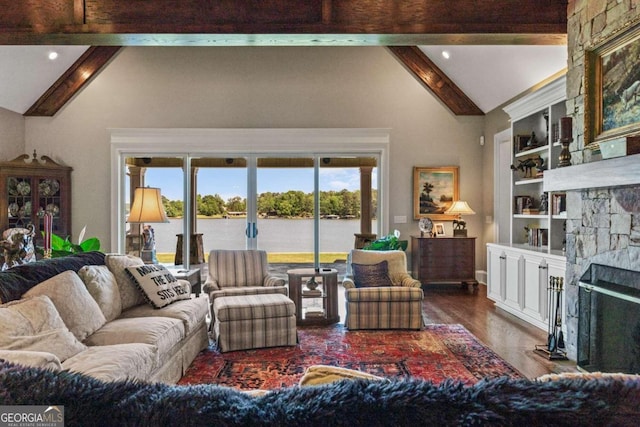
point(254, 321)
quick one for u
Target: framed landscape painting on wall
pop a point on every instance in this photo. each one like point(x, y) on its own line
point(434, 190)
point(612, 88)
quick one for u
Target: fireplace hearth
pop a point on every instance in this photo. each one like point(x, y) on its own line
point(609, 320)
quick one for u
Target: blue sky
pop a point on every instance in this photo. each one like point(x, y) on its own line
point(230, 182)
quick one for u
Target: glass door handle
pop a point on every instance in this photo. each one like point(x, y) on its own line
point(252, 230)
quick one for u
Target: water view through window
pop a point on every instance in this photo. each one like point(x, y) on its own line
point(277, 212)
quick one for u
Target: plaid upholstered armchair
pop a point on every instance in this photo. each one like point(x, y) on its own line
point(241, 272)
point(380, 293)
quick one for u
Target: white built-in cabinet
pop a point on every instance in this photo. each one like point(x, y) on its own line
point(518, 281)
point(519, 271)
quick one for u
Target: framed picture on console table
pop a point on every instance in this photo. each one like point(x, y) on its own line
point(434, 190)
point(612, 88)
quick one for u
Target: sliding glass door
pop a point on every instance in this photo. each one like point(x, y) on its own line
point(300, 209)
point(287, 191)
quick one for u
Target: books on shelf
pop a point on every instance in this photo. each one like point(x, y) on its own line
point(558, 203)
point(522, 203)
point(537, 236)
point(314, 312)
point(312, 292)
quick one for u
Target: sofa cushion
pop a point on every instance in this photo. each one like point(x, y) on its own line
point(38, 359)
point(115, 362)
point(384, 294)
point(191, 312)
point(159, 287)
point(34, 324)
point(19, 279)
point(130, 295)
point(160, 332)
point(102, 286)
point(78, 310)
point(371, 275)
point(251, 307)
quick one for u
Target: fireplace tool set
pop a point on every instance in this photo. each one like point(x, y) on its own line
point(554, 349)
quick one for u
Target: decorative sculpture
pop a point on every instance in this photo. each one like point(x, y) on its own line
point(17, 246)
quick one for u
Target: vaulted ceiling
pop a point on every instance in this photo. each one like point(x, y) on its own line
point(400, 24)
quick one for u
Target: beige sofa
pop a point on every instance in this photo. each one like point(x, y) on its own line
point(98, 321)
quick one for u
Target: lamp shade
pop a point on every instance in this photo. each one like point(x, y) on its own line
point(147, 206)
point(460, 207)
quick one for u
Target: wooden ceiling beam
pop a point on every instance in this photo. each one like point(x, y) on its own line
point(74, 79)
point(277, 23)
point(282, 22)
point(437, 81)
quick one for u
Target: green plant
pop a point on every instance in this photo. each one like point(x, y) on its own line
point(390, 242)
point(64, 247)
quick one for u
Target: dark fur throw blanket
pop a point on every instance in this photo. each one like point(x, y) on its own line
point(501, 402)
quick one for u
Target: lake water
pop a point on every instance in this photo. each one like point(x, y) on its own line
point(274, 235)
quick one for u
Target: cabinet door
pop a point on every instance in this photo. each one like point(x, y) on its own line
point(496, 274)
point(535, 286)
point(29, 187)
point(513, 280)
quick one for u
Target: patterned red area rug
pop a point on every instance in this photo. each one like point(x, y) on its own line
point(435, 353)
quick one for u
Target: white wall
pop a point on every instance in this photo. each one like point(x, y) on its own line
point(265, 87)
point(11, 135)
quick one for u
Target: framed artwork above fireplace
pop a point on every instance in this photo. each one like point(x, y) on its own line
point(612, 88)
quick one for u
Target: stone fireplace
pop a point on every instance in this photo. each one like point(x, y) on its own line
point(609, 320)
point(603, 196)
point(603, 225)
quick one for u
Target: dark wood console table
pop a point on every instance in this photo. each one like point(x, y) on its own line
point(444, 260)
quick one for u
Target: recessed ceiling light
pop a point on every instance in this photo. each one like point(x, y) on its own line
point(446, 54)
point(53, 55)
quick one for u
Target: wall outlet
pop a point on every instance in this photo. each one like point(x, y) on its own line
point(488, 219)
point(400, 219)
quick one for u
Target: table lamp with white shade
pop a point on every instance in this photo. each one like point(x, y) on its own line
point(147, 208)
point(459, 207)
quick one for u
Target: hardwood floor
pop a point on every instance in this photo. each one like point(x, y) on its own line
point(511, 338)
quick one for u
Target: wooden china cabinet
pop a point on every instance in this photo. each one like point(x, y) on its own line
point(30, 186)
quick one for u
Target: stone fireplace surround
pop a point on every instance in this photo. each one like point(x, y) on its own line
point(603, 223)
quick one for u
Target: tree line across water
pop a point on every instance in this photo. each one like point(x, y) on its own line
point(292, 203)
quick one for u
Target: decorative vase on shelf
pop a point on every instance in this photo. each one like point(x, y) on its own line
point(312, 284)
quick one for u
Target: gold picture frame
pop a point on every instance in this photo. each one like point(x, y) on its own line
point(434, 190)
point(612, 88)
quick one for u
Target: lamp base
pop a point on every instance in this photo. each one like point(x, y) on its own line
point(460, 233)
point(149, 256)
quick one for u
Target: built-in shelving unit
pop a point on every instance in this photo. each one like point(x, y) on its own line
point(535, 121)
point(519, 271)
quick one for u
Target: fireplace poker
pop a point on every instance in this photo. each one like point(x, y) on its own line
point(553, 339)
point(560, 342)
point(550, 338)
